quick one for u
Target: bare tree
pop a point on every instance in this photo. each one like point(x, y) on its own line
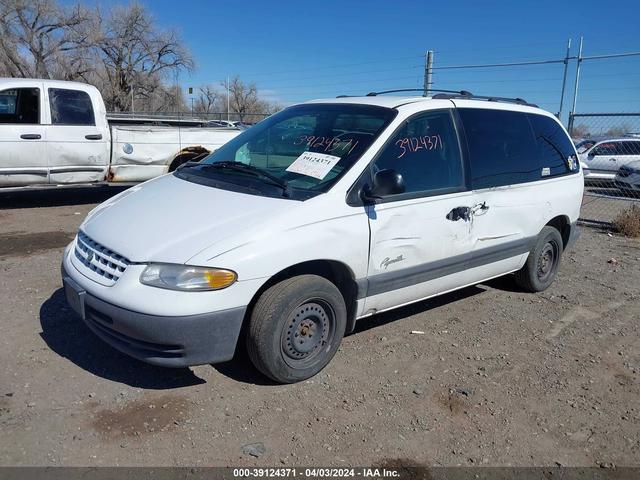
point(124, 54)
point(208, 100)
point(137, 56)
point(244, 100)
point(36, 34)
point(618, 131)
point(580, 131)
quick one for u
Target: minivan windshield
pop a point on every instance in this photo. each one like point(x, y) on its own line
point(296, 153)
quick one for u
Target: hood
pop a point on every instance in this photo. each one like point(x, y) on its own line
point(170, 220)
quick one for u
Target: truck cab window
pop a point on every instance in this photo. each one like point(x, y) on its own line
point(20, 105)
point(70, 107)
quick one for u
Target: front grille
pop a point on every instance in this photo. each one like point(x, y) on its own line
point(105, 265)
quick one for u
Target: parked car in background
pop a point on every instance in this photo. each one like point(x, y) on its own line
point(222, 123)
point(585, 144)
point(56, 132)
point(603, 160)
point(325, 213)
point(628, 179)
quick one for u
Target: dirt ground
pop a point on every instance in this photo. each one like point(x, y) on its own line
point(499, 377)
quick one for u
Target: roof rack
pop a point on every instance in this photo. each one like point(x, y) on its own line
point(470, 96)
point(457, 92)
point(451, 94)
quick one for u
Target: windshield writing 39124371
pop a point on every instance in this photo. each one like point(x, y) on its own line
point(327, 144)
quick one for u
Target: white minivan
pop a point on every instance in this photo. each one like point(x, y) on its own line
point(323, 214)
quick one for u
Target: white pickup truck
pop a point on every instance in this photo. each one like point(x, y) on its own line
point(56, 132)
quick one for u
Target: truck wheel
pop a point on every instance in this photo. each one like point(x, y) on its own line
point(542, 264)
point(189, 157)
point(296, 327)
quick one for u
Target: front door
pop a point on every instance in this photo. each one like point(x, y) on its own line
point(420, 239)
point(23, 159)
point(603, 159)
point(78, 145)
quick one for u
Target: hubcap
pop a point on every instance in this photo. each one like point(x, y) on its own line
point(547, 261)
point(307, 332)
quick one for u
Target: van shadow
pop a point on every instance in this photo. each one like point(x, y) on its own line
point(401, 313)
point(242, 370)
point(58, 197)
point(66, 334)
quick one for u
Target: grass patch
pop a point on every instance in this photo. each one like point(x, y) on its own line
point(628, 221)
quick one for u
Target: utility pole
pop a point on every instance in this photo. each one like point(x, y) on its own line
point(575, 87)
point(227, 98)
point(428, 72)
point(564, 78)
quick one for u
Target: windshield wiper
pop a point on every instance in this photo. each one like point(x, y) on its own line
point(252, 170)
point(555, 147)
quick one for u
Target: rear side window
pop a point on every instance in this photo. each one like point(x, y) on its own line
point(502, 147)
point(70, 107)
point(608, 148)
point(555, 150)
point(20, 105)
point(426, 152)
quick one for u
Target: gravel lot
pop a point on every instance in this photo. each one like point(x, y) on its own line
point(500, 377)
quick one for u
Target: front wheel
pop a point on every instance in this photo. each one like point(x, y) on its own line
point(543, 262)
point(296, 327)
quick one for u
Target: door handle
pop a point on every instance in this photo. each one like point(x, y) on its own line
point(94, 137)
point(612, 160)
point(479, 208)
point(459, 213)
point(31, 136)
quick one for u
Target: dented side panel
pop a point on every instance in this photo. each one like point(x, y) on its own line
point(411, 233)
point(143, 152)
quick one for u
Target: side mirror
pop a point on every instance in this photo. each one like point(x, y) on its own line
point(388, 182)
point(385, 182)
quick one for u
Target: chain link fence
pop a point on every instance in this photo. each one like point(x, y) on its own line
point(608, 146)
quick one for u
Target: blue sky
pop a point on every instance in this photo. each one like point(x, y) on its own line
point(295, 50)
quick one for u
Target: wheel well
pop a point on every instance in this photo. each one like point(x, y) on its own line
point(563, 225)
point(336, 272)
point(187, 154)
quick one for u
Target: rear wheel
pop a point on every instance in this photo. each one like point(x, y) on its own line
point(543, 262)
point(296, 327)
point(187, 157)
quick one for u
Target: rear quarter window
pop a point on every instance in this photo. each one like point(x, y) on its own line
point(630, 148)
point(555, 149)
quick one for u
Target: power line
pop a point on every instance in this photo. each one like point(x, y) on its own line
point(610, 55)
point(492, 65)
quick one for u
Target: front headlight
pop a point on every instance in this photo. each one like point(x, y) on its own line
point(186, 277)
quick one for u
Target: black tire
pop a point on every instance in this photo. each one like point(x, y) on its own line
point(280, 338)
point(182, 159)
point(543, 262)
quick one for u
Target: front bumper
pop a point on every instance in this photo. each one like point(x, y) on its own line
point(177, 341)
